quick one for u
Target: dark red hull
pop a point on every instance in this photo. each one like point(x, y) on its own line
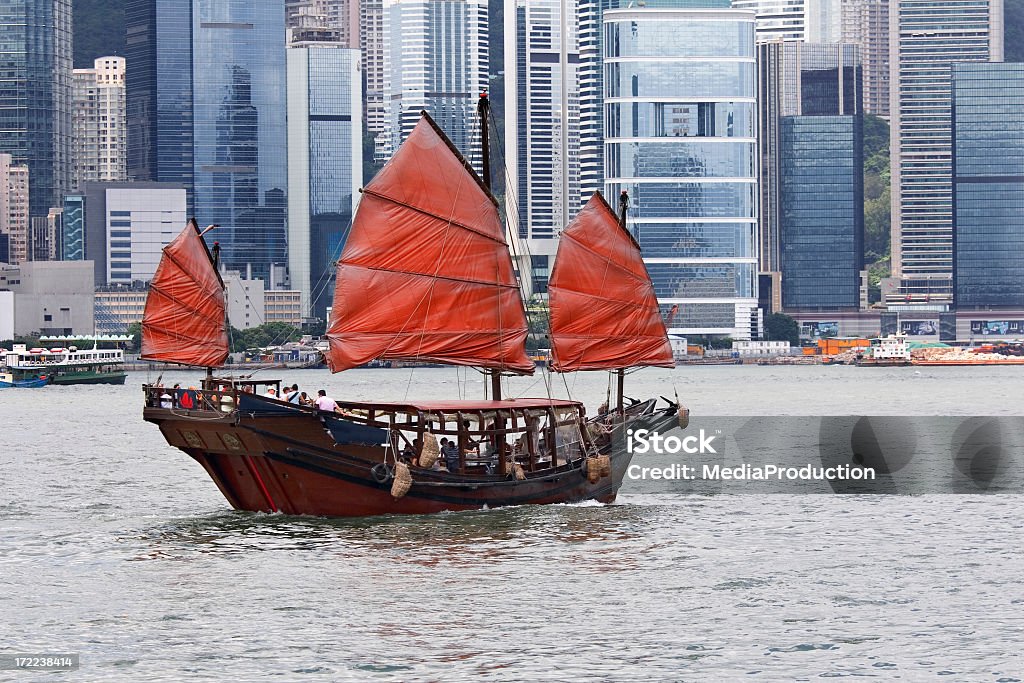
point(289, 463)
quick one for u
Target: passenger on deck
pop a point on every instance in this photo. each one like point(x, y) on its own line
point(271, 393)
point(292, 395)
point(450, 452)
point(326, 404)
point(166, 401)
point(304, 399)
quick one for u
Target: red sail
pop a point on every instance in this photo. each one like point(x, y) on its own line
point(184, 317)
point(426, 273)
point(604, 314)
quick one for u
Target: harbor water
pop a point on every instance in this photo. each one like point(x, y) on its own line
point(118, 548)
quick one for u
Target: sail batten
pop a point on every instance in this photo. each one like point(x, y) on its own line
point(604, 312)
point(184, 319)
point(426, 273)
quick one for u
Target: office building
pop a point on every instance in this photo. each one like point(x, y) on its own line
point(14, 208)
point(206, 110)
point(100, 123)
point(542, 98)
point(988, 183)
point(680, 117)
point(780, 20)
point(51, 297)
point(865, 23)
point(926, 37)
point(435, 60)
point(127, 225)
point(35, 95)
point(325, 164)
point(796, 79)
point(822, 211)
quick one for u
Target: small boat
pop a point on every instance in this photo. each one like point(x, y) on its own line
point(67, 363)
point(425, 277)
point(8, 381)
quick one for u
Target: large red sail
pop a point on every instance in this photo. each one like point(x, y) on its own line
point(426, 273)
point(604, 314)
point(184, 317)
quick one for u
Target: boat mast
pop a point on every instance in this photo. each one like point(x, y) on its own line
point(621, 372)
point(483, 107)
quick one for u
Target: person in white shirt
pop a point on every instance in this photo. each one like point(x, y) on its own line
point(323, 402)
point(271, 393)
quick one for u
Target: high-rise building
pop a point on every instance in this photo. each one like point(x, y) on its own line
point(325, 162)
point(73, 239)
point(680, 117)
point(796, 79)
point(779, 19)
point(206, 109)
point(822, 211)
point(865, 23)
point(542, 145)
point(14, 211)
point(35, 95)
point(339, 16)
point(100, 122)
point(371, 43)
point(988, 181)
point(926, 37)
point(435, 60)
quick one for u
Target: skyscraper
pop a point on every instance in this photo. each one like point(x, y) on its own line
point(100, 122)
point(988, 181)
point(680, 116)
point(796, 79)
point(542, 145)
point(926, 37)
point(325, 163)
point(435, 60)
point(206, 101)
point(35, 95)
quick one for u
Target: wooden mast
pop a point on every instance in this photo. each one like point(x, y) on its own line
point(483, 107)
point(621, 372)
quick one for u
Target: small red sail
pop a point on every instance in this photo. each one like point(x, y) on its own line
point(426, 272)
point(604, 314)
point(184, 317)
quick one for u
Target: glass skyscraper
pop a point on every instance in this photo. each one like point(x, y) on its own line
point(206, 107)
point(680, 118)
point(796, 79)
point(822, 211)
point(926, 37)
point(988, 181)
point(35, 96)
point(325, 164)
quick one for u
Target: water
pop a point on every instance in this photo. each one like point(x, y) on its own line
point(119, 548)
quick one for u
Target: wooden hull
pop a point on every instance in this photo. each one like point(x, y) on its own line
point(289, 463)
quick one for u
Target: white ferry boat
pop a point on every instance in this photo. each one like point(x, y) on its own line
point(66, 363)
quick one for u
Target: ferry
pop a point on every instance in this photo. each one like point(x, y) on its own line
point(69, 364)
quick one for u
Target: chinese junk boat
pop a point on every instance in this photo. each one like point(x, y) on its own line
point(425, 275)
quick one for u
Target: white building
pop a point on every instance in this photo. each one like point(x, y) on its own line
point(542, 142)
point(680, 121)
point(325, 164)
point(760, 348)
point(783, 19)
point(14, 207)
point(435, 60)
point(245, 300)
point(100, 122)
point(51, 297)
point(6, 316)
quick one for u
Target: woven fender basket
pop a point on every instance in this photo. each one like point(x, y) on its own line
point(403, 481)
point(605, 463)
point(593, 470)
point(519, 472)
point(684, 417)
point(430, 451)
